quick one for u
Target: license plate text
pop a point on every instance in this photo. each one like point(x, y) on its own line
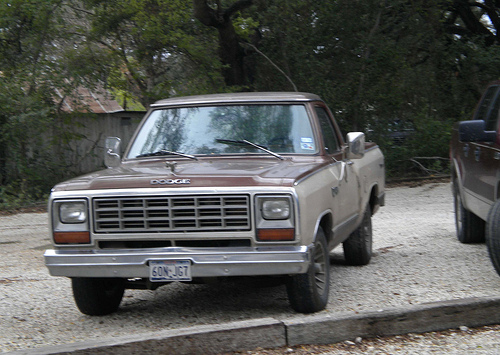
point(169, 270)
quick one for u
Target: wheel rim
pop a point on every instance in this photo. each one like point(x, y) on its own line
point(320, 274)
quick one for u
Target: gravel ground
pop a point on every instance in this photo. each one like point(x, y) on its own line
point(417, 259)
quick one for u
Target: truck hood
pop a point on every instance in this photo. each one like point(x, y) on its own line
point(220, 172)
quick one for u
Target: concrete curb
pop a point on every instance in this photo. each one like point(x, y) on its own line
point(472, 312)
point(315, 329)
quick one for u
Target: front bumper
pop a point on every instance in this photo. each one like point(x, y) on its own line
point(205, 262)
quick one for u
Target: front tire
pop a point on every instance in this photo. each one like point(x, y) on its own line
point(308, 293)
point(358, 247)
point(493, 235)
point(470, 228)
point(97, 296)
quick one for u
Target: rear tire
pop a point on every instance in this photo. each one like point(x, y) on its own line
point(493, 235)
point(97, 296)
point(470, 228)
point(358, 247)
point(308, 293)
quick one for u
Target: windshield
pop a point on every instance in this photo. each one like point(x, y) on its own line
point(222, 130)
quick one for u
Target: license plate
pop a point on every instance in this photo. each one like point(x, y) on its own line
point(169, 270)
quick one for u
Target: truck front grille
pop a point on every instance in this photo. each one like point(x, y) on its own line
point(172, 214)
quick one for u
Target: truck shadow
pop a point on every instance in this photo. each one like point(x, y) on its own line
point(241, 298)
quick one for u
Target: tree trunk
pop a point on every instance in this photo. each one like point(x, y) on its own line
point(231, 53)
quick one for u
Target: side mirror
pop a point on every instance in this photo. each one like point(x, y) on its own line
point(474, 131)
point(355, 145)
point(112, 158)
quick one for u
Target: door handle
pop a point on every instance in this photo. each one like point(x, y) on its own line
point(477, 153)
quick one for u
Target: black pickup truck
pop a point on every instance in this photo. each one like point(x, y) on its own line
point(475, 168)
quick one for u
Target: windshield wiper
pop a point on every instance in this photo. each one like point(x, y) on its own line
point(166, 152)
point(245, 142)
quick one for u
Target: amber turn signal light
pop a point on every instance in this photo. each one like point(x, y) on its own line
point(72, 237)
point(287, 234)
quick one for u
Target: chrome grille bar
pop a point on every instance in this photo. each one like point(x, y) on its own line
point(171, 213)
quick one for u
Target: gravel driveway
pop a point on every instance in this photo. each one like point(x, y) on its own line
point(417, 259)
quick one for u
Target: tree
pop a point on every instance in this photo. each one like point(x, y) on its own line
point(158, 50)
point(473, 18)
point(231, 52)
point(377, 63)
point(26, 32)
point(41, 62)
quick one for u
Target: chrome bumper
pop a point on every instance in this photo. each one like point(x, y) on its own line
point(206, 262)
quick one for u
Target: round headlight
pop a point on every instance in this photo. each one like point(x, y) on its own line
point(72, 212)
point(276, 209)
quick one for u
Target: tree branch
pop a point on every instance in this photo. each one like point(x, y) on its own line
point(493, 15)
point(206, 15)
point(472, 23)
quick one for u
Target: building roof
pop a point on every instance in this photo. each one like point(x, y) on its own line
point(93, 101)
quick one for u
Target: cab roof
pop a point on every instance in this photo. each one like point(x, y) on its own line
point(241, 97)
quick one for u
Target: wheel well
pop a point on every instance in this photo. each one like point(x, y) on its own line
point(374, 199)
point(453, 173)
point(326, 223)
point(327, 220)
point(456, 186)
point(498, 190)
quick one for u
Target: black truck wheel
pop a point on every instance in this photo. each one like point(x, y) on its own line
point(493, 235)
point(358, 247)
point(308, 292)
point(97, 296)
point(470, 228)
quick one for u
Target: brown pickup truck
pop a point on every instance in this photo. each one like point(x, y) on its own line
point(227, 185)
point(475, 167)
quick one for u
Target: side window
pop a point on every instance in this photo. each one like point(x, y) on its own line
point(329, 136)
point(483, 109)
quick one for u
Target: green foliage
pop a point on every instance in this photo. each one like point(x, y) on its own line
point(245, 27)
point(375, 63)
point(157, 47)
point(32, 72)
